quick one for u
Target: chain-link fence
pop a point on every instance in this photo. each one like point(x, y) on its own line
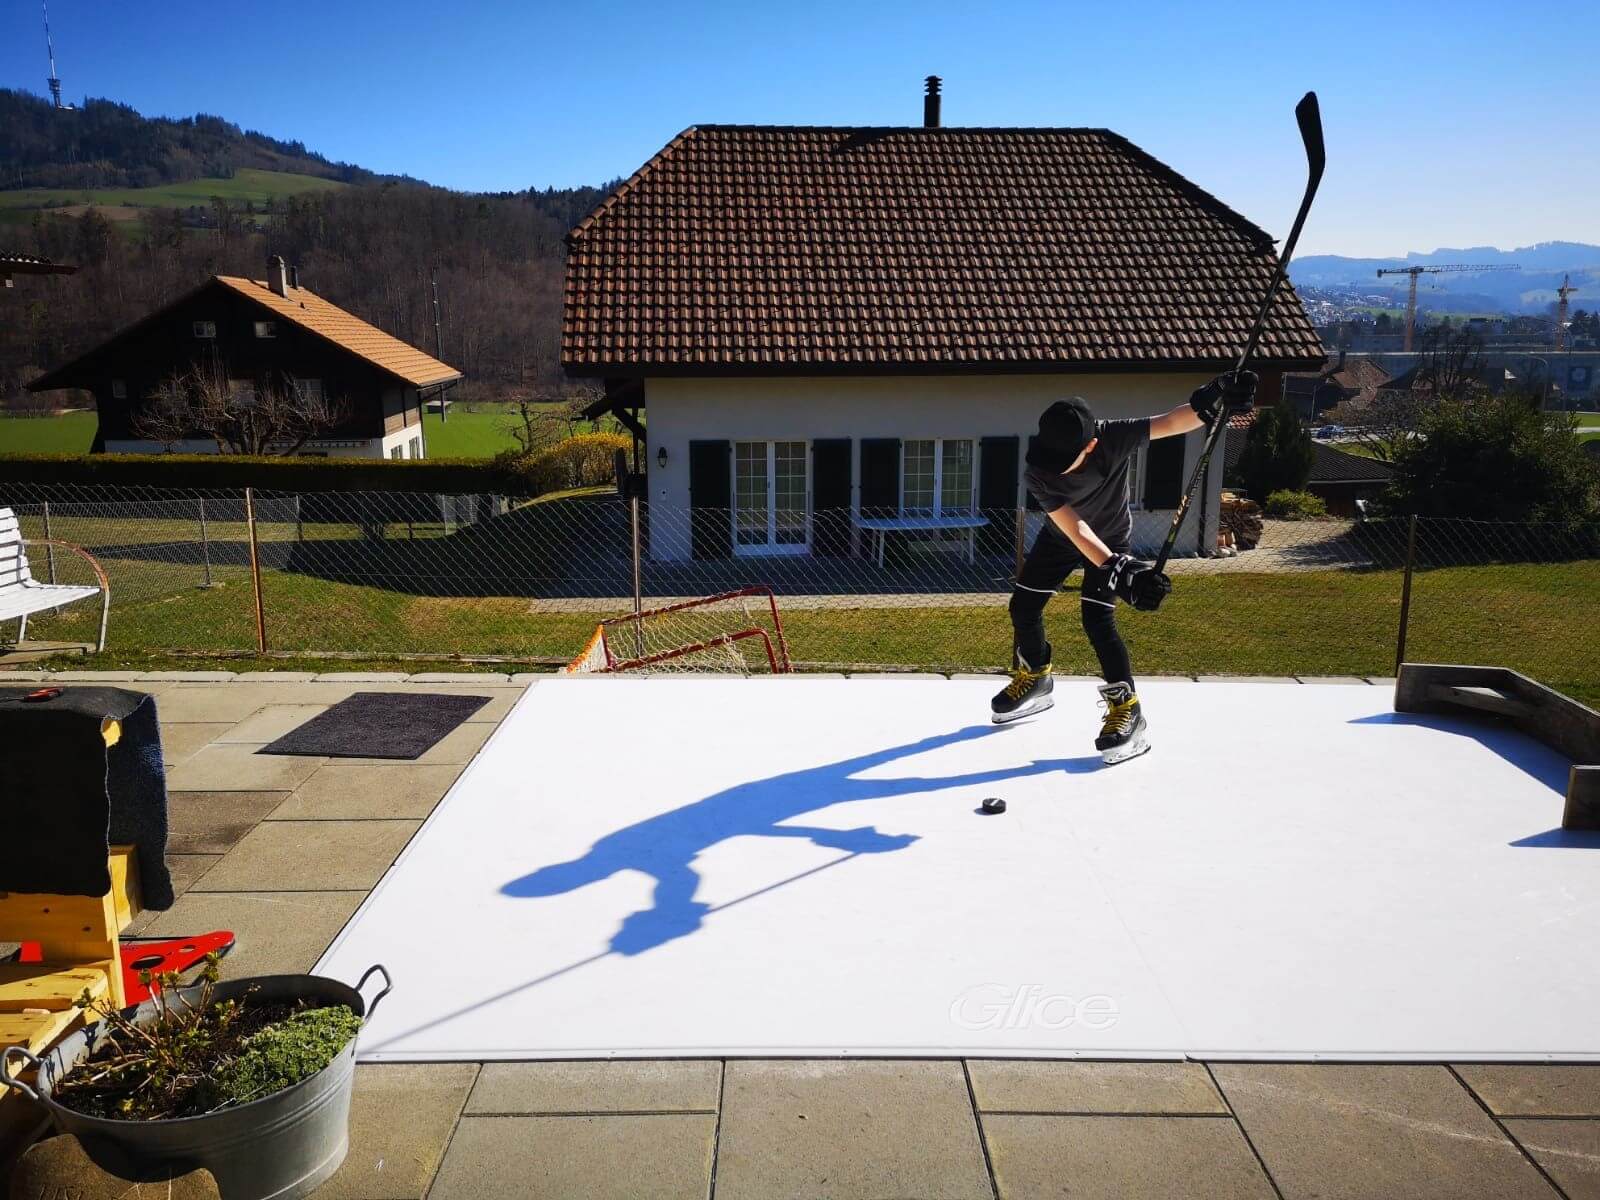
point(404, 574)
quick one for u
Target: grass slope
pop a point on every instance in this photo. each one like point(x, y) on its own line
point(69, 433)
point(247, 184)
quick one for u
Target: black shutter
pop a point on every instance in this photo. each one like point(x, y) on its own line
point(831, 481)
point(1028, 502)
point(997, 491)
point(711, 499)
point(1163, 473)
point(880, 477)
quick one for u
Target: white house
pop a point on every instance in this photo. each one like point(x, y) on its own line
point(823, 325)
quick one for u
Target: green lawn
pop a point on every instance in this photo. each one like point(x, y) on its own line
point(468, 435)
point(247, 184)
point(69, 433)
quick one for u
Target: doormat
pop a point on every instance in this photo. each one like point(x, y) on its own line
point(378, 725)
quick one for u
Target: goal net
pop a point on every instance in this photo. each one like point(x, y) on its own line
point(734, 632)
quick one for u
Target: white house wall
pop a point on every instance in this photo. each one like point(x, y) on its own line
point(679, 411)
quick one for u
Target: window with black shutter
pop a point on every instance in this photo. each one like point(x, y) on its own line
point(880, 477)
point(1163, 473)
point(710, 499)
point(832, 479)
point(997, 491)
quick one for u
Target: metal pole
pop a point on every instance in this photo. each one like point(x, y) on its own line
point(1021, 537)
point(255, 570)
point(638, 581)
point(1405, 595)
point(438, 337)
point(205, 542)
point(49, 549)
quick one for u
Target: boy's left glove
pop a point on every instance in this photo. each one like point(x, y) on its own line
point(1135, 582)
point(1225, 395)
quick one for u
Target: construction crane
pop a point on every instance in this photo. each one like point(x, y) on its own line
point(1411, 299)
point(1566, 289)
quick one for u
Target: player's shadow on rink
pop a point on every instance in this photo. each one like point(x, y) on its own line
point(665, 846)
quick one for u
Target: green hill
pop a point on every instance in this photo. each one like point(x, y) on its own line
point(248, 185)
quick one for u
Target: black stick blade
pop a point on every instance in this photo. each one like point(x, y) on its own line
point(1309, 115)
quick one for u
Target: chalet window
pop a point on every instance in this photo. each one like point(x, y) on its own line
point(397, 451)
point(266, 329)
point(937, 476)
point(119, 389)
point(205, 329)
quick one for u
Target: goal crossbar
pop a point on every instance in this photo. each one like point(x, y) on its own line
point(600, 654)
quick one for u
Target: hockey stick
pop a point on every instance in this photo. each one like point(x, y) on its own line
point(1309, 117)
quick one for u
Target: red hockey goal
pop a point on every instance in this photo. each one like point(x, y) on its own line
point(731, 632)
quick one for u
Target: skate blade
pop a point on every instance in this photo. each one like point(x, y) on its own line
point(1139, 745)
point(1037, 706)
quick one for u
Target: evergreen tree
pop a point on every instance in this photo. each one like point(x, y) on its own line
point(1277, 455)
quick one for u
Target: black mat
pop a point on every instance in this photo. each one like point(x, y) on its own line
point(65, 798)
point(378, 725)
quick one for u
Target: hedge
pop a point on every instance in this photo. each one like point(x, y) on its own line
point(585, 460)
point(214, 472)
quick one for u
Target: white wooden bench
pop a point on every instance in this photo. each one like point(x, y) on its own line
point(21, 595)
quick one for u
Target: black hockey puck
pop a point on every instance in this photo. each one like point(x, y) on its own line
point(993, 806)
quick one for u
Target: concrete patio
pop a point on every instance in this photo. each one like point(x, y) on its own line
point(283, 850)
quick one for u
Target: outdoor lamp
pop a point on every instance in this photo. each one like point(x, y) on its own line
point(661, 458)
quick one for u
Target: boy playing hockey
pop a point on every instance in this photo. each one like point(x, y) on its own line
point(1078, 472)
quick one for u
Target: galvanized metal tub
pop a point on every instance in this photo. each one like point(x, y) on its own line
point(280, 1147)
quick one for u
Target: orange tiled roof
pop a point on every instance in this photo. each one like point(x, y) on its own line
point(758, 248)
point(350, 332)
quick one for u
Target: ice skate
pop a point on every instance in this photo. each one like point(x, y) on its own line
point(1026, 694)
point(1124, 734)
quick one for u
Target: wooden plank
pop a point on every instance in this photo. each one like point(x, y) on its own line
point(37, 1032)
point(54, 989)
point(70, 928)
point(126, 895)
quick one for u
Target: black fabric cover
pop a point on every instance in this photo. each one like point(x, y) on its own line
point(66, 799)
point(378, 725)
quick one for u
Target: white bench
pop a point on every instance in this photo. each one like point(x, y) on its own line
point(21, 595)
point(880, 528)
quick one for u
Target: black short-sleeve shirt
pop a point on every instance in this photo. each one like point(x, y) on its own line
point(1098, 490)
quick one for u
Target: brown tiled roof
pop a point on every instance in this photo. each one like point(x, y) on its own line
point(350, 332)
point(750, 249)
point(31, 264)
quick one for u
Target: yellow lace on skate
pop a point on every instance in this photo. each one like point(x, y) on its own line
point(1119, 717)
point(1021, 680)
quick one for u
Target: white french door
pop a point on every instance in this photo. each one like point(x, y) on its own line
point(770, 498)
point(936, 477)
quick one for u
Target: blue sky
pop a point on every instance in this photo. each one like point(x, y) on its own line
point(1448, 124)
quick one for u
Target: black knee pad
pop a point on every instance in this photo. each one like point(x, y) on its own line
point(1027, 606)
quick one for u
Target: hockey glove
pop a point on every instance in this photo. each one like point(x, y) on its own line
point(1150, 588)
point(1120, 571)
point(1225, 395)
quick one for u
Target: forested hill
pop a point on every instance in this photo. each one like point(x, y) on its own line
point(105, 145)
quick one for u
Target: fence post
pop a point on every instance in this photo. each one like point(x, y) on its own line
point(255, 570)
point(1405, 594)
point(638, 580)
point(205, 543)
point(1021, 537)
point(49, 548)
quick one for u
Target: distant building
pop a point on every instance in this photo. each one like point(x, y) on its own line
point(1350, 380)
point(256, 330)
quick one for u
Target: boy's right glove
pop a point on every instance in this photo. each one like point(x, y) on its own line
point(1225, 395)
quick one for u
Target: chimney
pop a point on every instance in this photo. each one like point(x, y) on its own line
point(294, 276)
point(930, 104)
point(276, 276)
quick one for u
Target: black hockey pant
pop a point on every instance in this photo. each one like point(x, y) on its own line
point(1046, 568)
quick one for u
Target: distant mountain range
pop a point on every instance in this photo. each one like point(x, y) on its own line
point(1529, 288)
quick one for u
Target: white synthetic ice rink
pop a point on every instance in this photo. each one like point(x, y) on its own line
point(666, 867)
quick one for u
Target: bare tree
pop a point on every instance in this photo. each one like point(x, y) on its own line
point(270, 415)
point(1450, 369)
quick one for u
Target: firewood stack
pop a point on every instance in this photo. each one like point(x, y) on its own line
point(1241, 518)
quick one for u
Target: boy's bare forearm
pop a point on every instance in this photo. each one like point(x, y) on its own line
point(1080, 535)
point(1182, 419)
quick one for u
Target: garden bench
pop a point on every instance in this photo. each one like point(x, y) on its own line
point(21, 595)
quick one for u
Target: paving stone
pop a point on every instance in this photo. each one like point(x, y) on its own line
point(1355, 679)
point(1245, 679)
point(905, 676)
point(654, 1085)
point(214, 822)
point(270, 723)
point(275, 676)
point(1185, 1158)
point(531, 678)
point(60, 1168)
point(868, 1128)
point(190, 676)
point(288, 856)
point(480, 678)
point(278, 932)
point(179, 743)
point(1037, 1086)
point(1387, 681)
point(97, 676)
point(665, 1157)
point(185, 869)
point(1360, 1131)
point(1535, 1090)
point(7, 675)
point(456, 748)
point(362, 676)
point(401, 1119)
point(230, 702)
point(342, 792)
point(1569, 1150)
point(235, 768)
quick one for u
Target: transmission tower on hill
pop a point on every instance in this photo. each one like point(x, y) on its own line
point(53, 81)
